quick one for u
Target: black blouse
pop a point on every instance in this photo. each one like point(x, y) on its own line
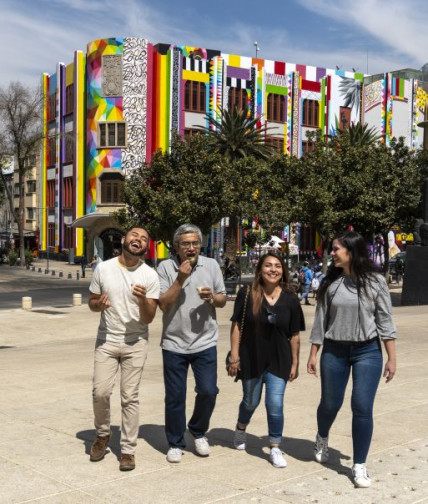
point(265, 343)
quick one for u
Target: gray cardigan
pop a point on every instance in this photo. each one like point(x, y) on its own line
point(353, 318)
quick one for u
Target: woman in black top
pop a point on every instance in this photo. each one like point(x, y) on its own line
point(269, 350)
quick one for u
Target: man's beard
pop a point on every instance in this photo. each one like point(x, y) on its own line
point(135, 254)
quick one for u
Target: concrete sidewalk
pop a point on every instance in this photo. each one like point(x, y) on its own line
point(46, 364)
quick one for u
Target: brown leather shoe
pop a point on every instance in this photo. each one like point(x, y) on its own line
point(127, 462)
point(98, 448)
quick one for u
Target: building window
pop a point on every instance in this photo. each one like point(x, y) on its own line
point(276, 143)
point(51, 234)
point(345, 117)
point(111, 134)
point(31, 186)
point(50, 193)
point(195, 97)
point(16, 191)
point(190, 132)
point(51, 151)
point(111, 187)
point(52, 107)
point(238, 98)
point(30, 213)
point(68, 192)
point(307, 147)
point(69, 147)
point(276, 108)
point(69, 99)
point(310, 113)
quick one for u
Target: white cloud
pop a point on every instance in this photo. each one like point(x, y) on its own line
point(402, 26)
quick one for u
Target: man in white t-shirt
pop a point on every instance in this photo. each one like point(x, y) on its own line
point(126, 291)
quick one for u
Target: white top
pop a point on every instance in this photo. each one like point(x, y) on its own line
point(121, 321)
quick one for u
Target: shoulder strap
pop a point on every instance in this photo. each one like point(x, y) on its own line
point(243, 313)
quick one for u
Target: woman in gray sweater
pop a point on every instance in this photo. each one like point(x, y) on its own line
point(353, 314)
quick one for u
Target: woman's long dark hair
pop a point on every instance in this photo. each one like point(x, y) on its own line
point(257, 290)
point(360, 265)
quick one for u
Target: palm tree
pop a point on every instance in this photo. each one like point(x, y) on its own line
point(360, 134)
point(236, 136)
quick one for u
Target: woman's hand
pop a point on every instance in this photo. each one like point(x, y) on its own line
point(233, 368)
point(294, 373)
point(390, 368)
point(312, 365)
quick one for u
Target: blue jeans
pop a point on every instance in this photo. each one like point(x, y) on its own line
point(337, 360)
point(306, 290)
point(175, 368)
point(274, 402)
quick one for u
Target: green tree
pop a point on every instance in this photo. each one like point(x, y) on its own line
point(20, 136)
point(240, 141)
point(369, 187)
point(360, 134)
point(182, 185)
point(236, 136)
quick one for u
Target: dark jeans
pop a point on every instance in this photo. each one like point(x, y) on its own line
point(175, 368)
point(337, 361)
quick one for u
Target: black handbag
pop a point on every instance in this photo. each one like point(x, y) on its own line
point(240, 333)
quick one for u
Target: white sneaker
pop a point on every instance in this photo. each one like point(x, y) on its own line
point(174, 455)
point(277, 458)
point(321, 449)
point(202, 447)
point(239, 439)
point(361, 478)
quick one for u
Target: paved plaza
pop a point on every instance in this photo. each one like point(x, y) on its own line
point(46, 359)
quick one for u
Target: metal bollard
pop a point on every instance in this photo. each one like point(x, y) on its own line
point(46, 271)
point(77, 299)
point(39, 270)
point(69, 276)
point(77, 275)
point(53, 272)
point(60, 274)
point(27, 303)
point(33, 268)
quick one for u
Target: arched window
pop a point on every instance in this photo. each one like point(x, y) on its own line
point(111, 187)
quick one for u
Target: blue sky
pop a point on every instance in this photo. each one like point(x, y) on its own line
point(37, 34)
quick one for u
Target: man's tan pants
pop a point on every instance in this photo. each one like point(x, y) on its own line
point(130, 357)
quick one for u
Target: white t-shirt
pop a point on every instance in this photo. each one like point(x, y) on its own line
point(121, 321)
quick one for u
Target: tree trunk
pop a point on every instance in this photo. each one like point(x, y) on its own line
point(231, 239)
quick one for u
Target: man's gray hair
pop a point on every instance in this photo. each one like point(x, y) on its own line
point(185, 229)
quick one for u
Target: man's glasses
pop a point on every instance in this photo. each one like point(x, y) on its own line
point(271, 317)
point(194, 244)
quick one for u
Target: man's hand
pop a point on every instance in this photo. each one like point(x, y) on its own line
point(184, 271)
point(103, 302)
point(140, 292)
point(206, 294)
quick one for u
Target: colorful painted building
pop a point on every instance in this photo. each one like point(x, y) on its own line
point(111, 108)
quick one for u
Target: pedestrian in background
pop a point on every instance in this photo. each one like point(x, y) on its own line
point(270, 318)
point(306, 281)
point(83, 263)
point(125, 291)
point(353, 315)
point(192, 287)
